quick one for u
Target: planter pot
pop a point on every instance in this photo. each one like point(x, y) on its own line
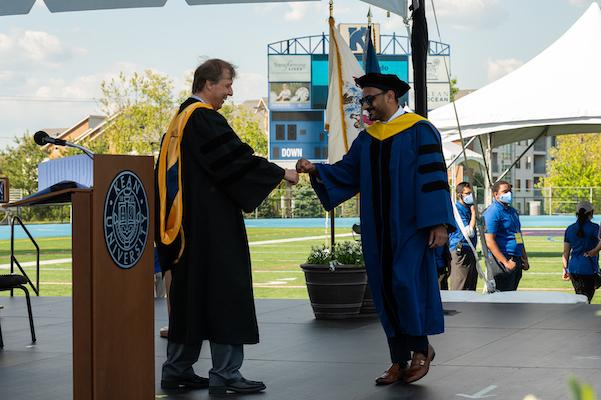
point(367, 307)
point(335, 294)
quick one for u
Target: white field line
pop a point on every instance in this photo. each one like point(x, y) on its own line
point(259, 243)
point(298, 239)
point(32, 263)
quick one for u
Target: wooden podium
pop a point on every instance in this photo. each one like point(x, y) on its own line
point(113, 305)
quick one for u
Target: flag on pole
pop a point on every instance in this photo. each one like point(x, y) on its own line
point(370, 59)
point(343, 112)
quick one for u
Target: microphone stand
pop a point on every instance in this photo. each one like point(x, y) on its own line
point(88, 152)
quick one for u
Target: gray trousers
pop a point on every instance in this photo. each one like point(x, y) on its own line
point(227, 361)
point(464, 275)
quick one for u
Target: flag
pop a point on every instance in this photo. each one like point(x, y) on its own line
point(370, 59)
point(343, 112)
point(419, 56)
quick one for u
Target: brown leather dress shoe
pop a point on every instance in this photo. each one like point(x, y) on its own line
point(420, 365)
point(392, 375)
point(164, 332)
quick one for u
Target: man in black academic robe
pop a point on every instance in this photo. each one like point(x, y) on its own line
point(209, 180)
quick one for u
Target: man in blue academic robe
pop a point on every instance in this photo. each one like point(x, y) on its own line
point(398, 167)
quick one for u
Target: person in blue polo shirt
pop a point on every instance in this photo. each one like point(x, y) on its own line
point(464, 275)
point(580, 263)
point(504, 239)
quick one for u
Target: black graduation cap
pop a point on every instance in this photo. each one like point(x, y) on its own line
point(384, 82)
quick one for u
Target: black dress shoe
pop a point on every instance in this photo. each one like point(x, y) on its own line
point(241, 385)
point(192, 383)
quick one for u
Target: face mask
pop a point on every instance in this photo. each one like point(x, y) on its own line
point(468, 199)
point(506, 198)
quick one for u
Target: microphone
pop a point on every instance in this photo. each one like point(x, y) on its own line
point(42, 138)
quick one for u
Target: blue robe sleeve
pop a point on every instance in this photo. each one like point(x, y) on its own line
point(338, 182)
point(432, 187)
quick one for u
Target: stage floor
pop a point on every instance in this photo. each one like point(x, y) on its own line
point(497, 351)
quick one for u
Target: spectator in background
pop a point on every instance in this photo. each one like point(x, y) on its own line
point(580, 251)
point(464, 275)
point(504, 239)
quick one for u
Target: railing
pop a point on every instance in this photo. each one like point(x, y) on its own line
point(319, 44)
point(13, 258)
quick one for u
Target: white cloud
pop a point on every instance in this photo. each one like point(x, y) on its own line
point(500, 68)
point(249, 86)
point(470, 14)
point(579, 3)
point(297, 11)
point(40, 46)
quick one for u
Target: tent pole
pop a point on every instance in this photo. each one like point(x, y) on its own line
point(463, 150)
point(543, 133)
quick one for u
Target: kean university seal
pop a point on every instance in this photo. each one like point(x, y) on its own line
point(126, 219)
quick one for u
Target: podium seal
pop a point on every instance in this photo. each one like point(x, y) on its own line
point(126, 219)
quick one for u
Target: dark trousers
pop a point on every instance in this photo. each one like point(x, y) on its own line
point(227, 360)
point(464, 275)
point(584, 284)
point(401, 347)
point(507, 280)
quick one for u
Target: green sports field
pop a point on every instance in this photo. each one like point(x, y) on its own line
point(276, 271)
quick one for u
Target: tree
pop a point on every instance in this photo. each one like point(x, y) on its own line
point(247, 125)
point(454, 88)
point(20, 163)
point(575, 163)
point(139, 108)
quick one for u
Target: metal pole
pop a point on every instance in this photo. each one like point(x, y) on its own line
point(332, 229)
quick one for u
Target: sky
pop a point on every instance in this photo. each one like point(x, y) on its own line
point(51, 65)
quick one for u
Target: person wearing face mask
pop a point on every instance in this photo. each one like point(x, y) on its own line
point(580, 255)
point(398, 167)
point(504, 239)
point(464, 275)
point(206, 177)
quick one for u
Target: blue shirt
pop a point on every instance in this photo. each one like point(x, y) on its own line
point(579, 264)
point(504, 223)
point(457, 237)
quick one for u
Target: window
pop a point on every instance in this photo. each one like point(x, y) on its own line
point(528, 162)
point(528, 183)
point(495, 162)
point(280, 132)
point(518, 184)
point(292, 132)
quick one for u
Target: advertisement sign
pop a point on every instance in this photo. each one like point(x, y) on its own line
point(285, 95)
point(439, 94)
point(289, 68)
point(354, 35)
point(435, 69)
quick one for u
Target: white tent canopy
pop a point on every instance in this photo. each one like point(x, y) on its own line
point(16, 7)
point(556, 92)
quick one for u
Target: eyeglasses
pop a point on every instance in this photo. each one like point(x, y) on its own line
point(369, 99)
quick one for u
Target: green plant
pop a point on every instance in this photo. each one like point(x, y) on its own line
point(346, 253)
point(581, 391)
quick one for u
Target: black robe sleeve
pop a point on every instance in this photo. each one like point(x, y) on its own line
point(230, 163)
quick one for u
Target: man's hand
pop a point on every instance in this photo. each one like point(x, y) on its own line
point(525, 264)
point(591, 253)
point(565, 276)
point(291, 176)
point(510, 265)
point(305, 166)
point(438, 236)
